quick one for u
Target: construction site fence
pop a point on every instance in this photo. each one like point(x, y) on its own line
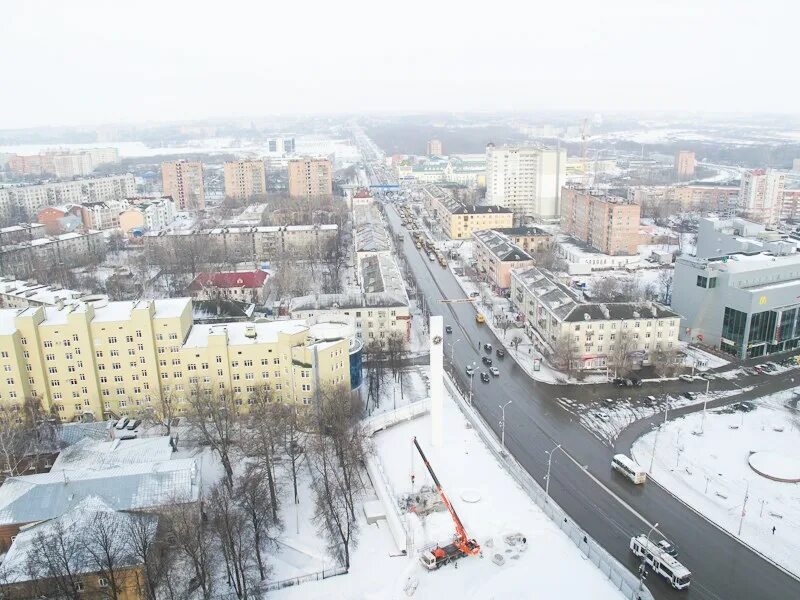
point(617, 574)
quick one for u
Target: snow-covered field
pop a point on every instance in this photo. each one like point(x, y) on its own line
point(550, 567)
point(710, 472)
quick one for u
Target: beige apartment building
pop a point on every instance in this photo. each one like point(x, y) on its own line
point(606, 223)
point(116, 358)
point(458, 220)
point(434, 148)
point(183, 180)
point(245, 179)
point(496, 256)
point(761, 195)
point(706, 198)
point(684, 164)
point(531, 239)
point(309, 177)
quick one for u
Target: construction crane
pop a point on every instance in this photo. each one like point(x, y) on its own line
point(461, 545)
point(584, 164)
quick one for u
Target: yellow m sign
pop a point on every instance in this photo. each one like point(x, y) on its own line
point(762, 300)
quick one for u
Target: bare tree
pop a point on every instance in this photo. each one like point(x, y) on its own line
point(141, 531)
point(25, 435)
point(215, 416)
point(55, 561)
point(231, 529)
point(106, 550)
point(255, 501)
point(622, 352)
point(263, 436)
point(666, 361)
point(293, 441)
point(565, 353)
point(665, 285)
point(376, 372)
point(188, 533)
point(516, 341)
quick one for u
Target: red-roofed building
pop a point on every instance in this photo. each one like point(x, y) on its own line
point(362, 197)
point(244, 286)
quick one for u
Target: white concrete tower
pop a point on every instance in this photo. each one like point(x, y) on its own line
point(437, 379)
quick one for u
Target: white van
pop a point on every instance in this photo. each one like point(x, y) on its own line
point(628, 468)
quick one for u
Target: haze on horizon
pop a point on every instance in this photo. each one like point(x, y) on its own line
point(92, 62)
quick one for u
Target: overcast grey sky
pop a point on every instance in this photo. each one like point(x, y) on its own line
point(82, 62)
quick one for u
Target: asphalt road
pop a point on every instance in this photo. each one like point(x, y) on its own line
point(722, 568)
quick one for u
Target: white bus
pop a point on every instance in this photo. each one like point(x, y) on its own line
point(662, 563)
point(629, 468)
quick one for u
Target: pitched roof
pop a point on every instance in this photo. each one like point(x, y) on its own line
point(90, 454)
point(31, 498)
point(245, 279)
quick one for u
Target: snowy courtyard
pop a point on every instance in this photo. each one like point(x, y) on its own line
point(712, 472)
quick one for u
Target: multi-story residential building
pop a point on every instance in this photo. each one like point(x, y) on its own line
point(103, 214)
point(67, 250)
point(28, 199)
point(684, 164)
point(600, 334)
point(609, 224)
point(241, 286)
point(378, 313)
point(63, 164)
point(183, 181)
point(532, 240)
point(256, 243)
point(706, 198)
point(24, 232)
point(791, 205)
point(496, 256)
point(761, 195)
point(147, 214)
point(245, 179)
point(434, 148)
point(116, 358)
point(526, 179)
point(309, 177)
point(15, 293)
point(458, 220)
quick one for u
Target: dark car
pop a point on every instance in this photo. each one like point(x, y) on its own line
point(485, 377)
point(487, 347)
point(501, 353)
point(635, 381)
point(448, 329)
point(618, 381)
point(487, 361)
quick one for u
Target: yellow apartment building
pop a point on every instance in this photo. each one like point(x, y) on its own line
point(115, 358)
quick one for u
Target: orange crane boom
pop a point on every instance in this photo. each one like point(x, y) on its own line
point(463, 543)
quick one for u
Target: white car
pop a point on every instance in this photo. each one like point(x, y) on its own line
point(470, 370)
point(603, 417)
point(494, 371)
point(686, 378)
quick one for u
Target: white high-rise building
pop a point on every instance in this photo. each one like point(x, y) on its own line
point(761, 195)
point(526, 179)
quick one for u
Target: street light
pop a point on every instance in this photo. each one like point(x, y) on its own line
point(643, 566)
point(549, 463)
point(705, 401)
point(471, 379)
point(503, 424)
point(452, 348)
point(655, 441)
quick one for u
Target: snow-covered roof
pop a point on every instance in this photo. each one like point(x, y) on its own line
point(264, 333)
point(73, 523)
point(30, 498)
point(91, 454)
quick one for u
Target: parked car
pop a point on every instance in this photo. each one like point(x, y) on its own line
point(635, 381)
point(618, 381)
point(494, 371)
point(686, 378)
point(501, 353)
point(448, 329)
point(474, 294)
point(689, 395)
point(609, 401)
point(134, 424)
point(750, 371)
point(487, 361)
point(487, 347)
point(484, 377)
point(122, 423)
point(603, 417)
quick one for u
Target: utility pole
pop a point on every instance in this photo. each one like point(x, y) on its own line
point(643, 566)
point(503, 424)
point(744, 508)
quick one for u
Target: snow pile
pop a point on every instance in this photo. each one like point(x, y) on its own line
point(711, 472)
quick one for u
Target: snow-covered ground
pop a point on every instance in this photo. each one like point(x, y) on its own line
point(551, 566)
point(606, 419)
point(710, 472)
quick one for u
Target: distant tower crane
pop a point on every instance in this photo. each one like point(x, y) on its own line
point(461, 545)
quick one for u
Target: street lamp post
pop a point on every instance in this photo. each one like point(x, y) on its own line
point(471, 379)
point(549, 463)
point(643, 566)
point(655, 441)
point(452, 349)
point(503, 424)
point(705, 402)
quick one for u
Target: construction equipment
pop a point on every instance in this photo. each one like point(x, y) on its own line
point(461, 545)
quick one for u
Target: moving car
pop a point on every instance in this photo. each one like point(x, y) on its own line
point(448, 329)
point(487, 347)
point(487, 361)
point(484, 377)
point(494, 371)
point(501, 353)
point(668, 548)
point(479, 318)
point(470, 370)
